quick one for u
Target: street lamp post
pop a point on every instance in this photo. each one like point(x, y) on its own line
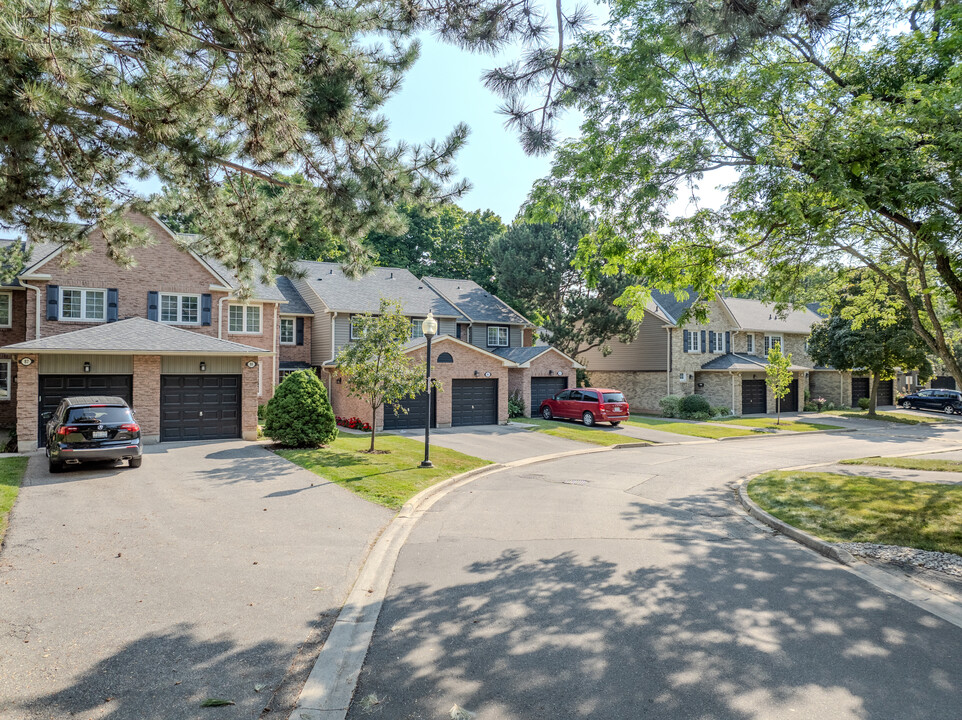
point(429, 327)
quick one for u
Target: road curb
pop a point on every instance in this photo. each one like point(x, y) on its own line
point(784, 434)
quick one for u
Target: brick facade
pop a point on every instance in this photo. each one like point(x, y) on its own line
point(249, 403)
point(519, 379)
point(642, 390)
point(146, 396)
point(28, 419)
point(298, 353)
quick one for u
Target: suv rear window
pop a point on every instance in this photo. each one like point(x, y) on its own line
point(589, 396)
point(614, 397)
point(101, 414)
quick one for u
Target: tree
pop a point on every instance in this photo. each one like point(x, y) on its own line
point(835, 126)
point(376, 368)
point(300, 414)
point(532, 265)
point(778, 377)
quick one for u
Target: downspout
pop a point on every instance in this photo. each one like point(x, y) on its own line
point(36, 290)
point(733, 391)
point(276, 359)
point(220, 316)
point(668, 361)
point(330, 375)
point(841, 386)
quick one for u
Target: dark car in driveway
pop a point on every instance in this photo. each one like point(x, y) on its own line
point(88, 429)
point(590, 405)
point(947, 401)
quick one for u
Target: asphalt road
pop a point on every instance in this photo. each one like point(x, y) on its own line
point(211, 571)
point(630, 584)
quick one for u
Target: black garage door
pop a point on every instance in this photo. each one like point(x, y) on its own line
point(474, 402)
point(754, 399)
point(414, 417)
point(860, 389)
point(200, 407)
point(885, 393)
point(789, 403)
point(54, 388)
point(543, 388)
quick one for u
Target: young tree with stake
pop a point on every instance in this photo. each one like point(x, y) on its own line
point(778, 377)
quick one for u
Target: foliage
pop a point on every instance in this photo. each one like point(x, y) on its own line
point(375, 365)
point(670, 406)
point(721, 411)
point(11, 475)
point(582, 379)
point(299, 414)
point(694, 407)
point(515, 405)
point(691, 429)
point(908, 463)
point(353, 423)
point(532, 265)
point(778, 376)
point(864, 403)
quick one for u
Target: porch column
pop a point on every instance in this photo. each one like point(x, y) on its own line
point(28, 403)
point(146, 397)
point(249, 381)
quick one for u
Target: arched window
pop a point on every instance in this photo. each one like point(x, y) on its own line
point(445, 358)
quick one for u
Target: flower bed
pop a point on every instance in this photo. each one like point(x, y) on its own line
point(354, 423)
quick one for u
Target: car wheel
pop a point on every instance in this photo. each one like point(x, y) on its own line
point(135, 462)
point(546, 413)
point(906, 406)
point(616, 424)
point(948, 410)
point(55, 466)
point(587, 418)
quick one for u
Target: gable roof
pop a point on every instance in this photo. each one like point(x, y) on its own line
point(671, 306)
point(261, 290)
point(295, 303)
point(741, 362)
point(758, 315)
point(135, 336)
point(474, 302)
point(522, 356)
point(341, 293)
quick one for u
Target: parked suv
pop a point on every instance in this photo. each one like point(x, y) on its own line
point(948, 401)
point(86, 429)
point(590, 405)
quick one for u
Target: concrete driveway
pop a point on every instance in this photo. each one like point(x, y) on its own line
point(215, 570)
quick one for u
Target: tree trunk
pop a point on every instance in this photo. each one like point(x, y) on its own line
point(872, 394)
point(373, 426)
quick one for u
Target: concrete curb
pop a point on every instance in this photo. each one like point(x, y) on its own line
point(784, 434)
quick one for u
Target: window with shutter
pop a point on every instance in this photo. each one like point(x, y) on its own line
point(750, 347)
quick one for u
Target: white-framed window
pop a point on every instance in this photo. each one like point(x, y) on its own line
point(356, 327)
point(287, 331)
point(750, 347)
point(179, 309)
point(694, 344)
point(6, 310)
point(497, 336)
point(806, 346)
point(416, 331)
point(83, 304)
point(5, 379)
point(244, 319)
point(771, 341)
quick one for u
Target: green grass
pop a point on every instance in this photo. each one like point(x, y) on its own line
point(694, 429)
point(769, 423)
point(390, 479)
point(894, 417)
point(575, 431)
point(909, 463)
point(11, 474)
point(843, 508)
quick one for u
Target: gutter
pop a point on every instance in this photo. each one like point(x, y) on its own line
point(36, 290)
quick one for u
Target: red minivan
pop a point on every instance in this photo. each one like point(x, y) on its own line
point(590, 405)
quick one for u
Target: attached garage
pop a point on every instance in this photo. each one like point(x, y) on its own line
point(886, 394)
point(54, 388)
point(415, 416)
point(543, 388)
point(789, 403)
point(860, 389)
point(474, 402)
point(754, 397)
point(200, 407)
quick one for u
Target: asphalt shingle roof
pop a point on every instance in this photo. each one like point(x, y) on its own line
point(136, 336)
point(295, 303)
point(521, 355)
point(741, 363)
point(757, 315)
point(476, 303)
point(671, 305)
point(363, 295)
point(261, 290)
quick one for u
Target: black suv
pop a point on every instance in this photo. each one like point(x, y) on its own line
point(948, 401)
point(86, 429)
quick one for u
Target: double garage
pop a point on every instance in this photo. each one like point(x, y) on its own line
point(473, 402)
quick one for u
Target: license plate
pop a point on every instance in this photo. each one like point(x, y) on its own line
point(100, 434)
point(616, 409)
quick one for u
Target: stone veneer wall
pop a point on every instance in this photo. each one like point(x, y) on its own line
point(642, 390)
point(825, 383)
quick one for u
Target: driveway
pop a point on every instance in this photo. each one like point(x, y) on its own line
point(214, 570)
point(630, 584)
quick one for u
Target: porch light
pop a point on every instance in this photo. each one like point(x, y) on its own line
point(203, 366)
point(86, 366)
point(429, 326)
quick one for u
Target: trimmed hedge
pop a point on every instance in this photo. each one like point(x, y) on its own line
point(299, 414)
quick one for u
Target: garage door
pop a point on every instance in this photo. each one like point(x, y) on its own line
point(414, 417)
point(54, 388)
point(543, 388)
point(200, 407)
point(860, 389)
point(886, 394)
point(754, 399)
point(789, 403)
point(474, 402)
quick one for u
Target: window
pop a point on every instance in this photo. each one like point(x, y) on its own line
point(771, 341)
point(5, 379)
point(287, 331)
point(81, 304)
point(180, 309)
point(416, 331)
point(356, 327)
point(615, 397)
point(445, 358)
point(589, 396)
point(497, 336)
point(751, 345)
point(244, 319)
point(5, 307)
point(694, 345)
point(575, 395)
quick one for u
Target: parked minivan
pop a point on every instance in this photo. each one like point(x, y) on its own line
point(590, 405)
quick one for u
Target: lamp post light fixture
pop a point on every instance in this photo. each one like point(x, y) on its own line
point(430, 328)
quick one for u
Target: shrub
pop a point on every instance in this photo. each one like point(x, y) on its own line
point(299, 414)
point(829, 405)
point(670, 406)
point(353, 423)
point(721, 411)
point(692, 405)
point(260, 413)
point(515, 405)
point(581, 378)
point(810, 407)
point(863, 403)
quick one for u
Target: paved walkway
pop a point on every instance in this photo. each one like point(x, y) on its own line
point(629, 584)
point(924, 476)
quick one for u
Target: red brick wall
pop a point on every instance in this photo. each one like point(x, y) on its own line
point(146, 396)
point(249, 400)
point(520, 378)
point(28, 382)
point(298, 353)
point(346, 405)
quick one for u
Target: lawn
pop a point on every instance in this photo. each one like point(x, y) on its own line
point(390, 479)
point(570, 430)
point(909, 463)
point(895, 417)
point(842, 508)
point(680, 428)
point(769, 423)
point(11, 474)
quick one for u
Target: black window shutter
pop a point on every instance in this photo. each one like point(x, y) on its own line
point(205, 305)
point(299, 324)
point(728, 342)
point(53, 302)
point(711, 341)
point(687, 341)
point(112, 302)
point(458, 332)
point(703, 346)
point(152, 305)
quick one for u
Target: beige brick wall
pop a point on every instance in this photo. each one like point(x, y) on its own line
point(825, 383)
point(28, 380)
point(716, 387)
point(146, 396)
point(642, 390)
point(345, 405)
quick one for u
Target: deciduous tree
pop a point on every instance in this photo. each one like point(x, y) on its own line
point(778, 377)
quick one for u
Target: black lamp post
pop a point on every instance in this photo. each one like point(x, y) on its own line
point(430, 328)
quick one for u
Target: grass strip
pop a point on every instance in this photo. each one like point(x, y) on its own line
point(570, 430)
point(769, 424)
point(390, 479)
point(908, 463)
point(11, 475)
point(701, 430)
point(893, 417)
point(844, 508)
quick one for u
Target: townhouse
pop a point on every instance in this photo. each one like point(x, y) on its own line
point(723, 359)
point(176, 338)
